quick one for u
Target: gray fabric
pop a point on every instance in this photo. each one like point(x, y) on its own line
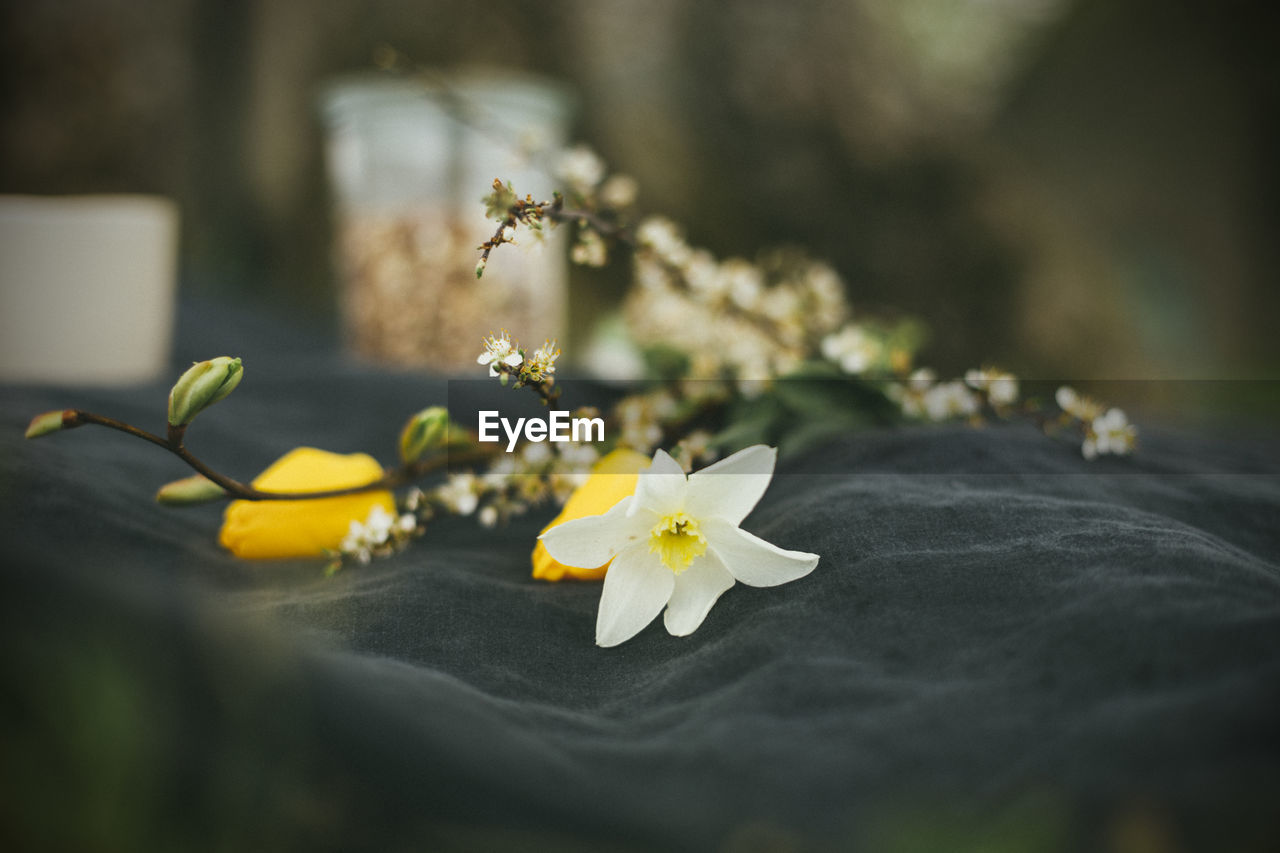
point(1003, 647)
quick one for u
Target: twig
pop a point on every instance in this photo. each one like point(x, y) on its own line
point(391, 478)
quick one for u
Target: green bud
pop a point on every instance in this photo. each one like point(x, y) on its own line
point(500, 201)
point(425, 431)
point(204, 383)
point(189, 490)
point(52, 422)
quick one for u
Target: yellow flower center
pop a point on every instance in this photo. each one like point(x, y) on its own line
point(677, 540)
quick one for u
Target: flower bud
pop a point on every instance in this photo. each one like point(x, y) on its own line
point(425, 431)
point(48, 422)
point(204, 383)
point(188, 491)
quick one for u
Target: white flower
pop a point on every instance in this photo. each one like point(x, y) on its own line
point(537, 454)
point(851, 348)
point(378, 525)
point(1077, 405)
point(499, 349)
point(641, 420)
point(581, 169)
point(589, 250)
point(676, 543)
point(743, 282)
point(619, 191)
point(1109, 433)
point(702, 274)
point(542, 362)
point(381, 533)
point(949, 399)
point(910, 395)
point(578, 457)
point(1001, 387)
point(459, 493)
point(664, 238)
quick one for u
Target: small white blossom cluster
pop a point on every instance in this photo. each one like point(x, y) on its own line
point(541, 363)
point(589, 249)
point(694, 450)
point(598, 202)
point(1078, 406)
point(512, 485)
point(1106, 431)
point(922, 396)
point(379, 535)
point(640, 418)
point(515, 482)
point(754, 320)
point(499, 349)
point(581, 169)
point(507, 361)
point(1000, 386)
point(853, 348)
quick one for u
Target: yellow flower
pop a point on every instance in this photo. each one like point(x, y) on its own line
point(264, 530)
point(612, 479)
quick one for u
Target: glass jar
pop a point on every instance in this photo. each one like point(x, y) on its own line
point(409, 161)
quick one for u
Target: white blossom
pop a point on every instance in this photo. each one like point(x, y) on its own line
point(619, 191)
point(589, 250)
point(581, 169)
point(1001, 387)
point(1109, 433)
point(948, 400)
point(1077, 405)
point(743, 282)
point(677, 544)
point(852, 348)
point(459, 493)
point(380, 533)
point(664, 239)
point(498, 349)
point(542, 361)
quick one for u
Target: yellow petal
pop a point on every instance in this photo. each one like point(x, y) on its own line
point(612, 479)
point(264, 530)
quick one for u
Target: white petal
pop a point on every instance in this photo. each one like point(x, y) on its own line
point(590, 542)
point(697, 588)
point(636, 588)
point(513, 359)
point(730, 488)
point(485, 358)
point(660, 487)
point(752, 560)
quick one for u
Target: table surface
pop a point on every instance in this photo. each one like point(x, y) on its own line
point(1001, 645)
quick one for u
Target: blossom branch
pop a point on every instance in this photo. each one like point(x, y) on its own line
point(174, 442)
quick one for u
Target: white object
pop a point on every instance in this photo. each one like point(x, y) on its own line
point(409, 161)
point(87, 287)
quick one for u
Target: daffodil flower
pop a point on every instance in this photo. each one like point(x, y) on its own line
point(612, 478)
point(676, 543)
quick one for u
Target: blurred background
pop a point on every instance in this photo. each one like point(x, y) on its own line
point(1068, 188)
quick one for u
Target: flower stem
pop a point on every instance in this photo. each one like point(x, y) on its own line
point(391, 478)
